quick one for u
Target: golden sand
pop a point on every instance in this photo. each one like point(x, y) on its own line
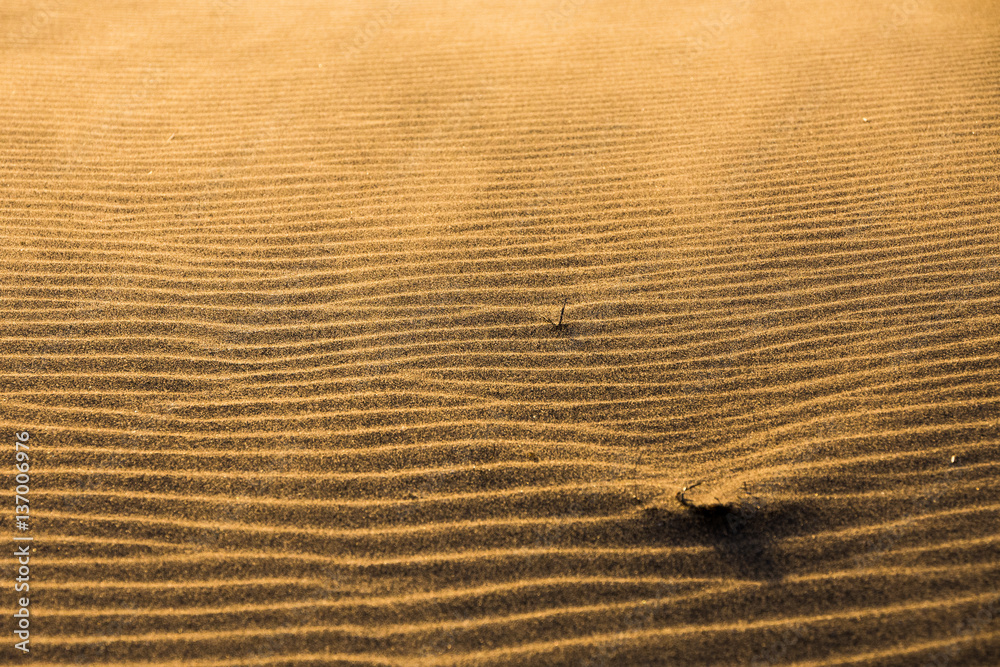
point(281, 281)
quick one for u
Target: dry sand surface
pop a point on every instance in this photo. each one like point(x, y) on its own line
point(281, 282)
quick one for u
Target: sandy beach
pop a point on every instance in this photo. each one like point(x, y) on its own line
point(558, 332)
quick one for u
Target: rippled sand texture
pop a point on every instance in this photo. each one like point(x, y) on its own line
point(276, 279)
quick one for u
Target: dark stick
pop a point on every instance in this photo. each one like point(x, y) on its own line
point(561, 312)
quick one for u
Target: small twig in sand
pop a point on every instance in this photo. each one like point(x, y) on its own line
point(682, 499)
point(717, 513)
point(561, 326)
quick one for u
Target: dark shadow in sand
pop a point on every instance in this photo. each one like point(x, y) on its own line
point(744, 537)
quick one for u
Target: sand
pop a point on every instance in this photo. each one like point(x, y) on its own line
point(281, 283)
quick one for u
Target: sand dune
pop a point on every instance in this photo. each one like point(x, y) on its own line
point(281, 283)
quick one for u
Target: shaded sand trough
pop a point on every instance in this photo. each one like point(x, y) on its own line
point(274, 300)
